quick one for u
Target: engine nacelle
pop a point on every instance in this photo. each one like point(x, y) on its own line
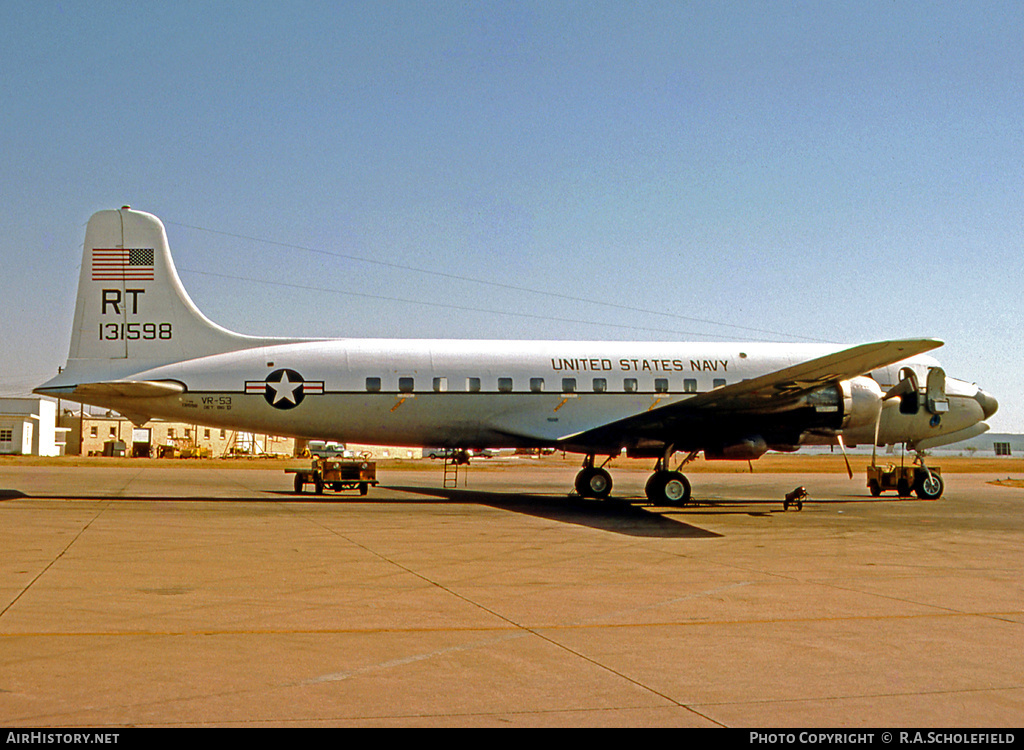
point(745, 450)
point(862, 402)
point(846, 404)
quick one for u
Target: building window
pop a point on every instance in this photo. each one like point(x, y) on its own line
point(690, 385)
point(568, 385)
point(629, 385)
point(504, 385)
point(473, 385)
point(206, 434)
point(537, 385)
point(188, 432)
point(113, 432)
point(373, 385)
point(6, 435)
point(1002, 449)
point(170, 432)
point(406, 385)
point(223, 434)
point(94, 431)
point(661, 385)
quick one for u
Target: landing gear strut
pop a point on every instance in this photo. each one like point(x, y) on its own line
point(593, 481)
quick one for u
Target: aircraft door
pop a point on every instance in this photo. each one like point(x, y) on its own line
point(909, 394)
point(935, 391)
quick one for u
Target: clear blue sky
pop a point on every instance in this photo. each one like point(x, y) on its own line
point(715, 170)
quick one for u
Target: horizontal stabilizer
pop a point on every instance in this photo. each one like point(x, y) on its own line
point(118, 389)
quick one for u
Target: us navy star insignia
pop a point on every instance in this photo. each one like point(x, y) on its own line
point(284, 388)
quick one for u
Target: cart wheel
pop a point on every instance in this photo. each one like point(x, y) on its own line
point(363, 488)
point(299, 484)
point(874, 488)
point(318, 484)
point(903, 488)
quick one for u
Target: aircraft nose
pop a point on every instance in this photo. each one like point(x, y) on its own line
point(987, 402)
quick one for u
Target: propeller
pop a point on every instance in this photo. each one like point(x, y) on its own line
point(842, 447)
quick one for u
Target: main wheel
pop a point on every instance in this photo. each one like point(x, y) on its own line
point(596, 483)
point(668, 488)
point(929, 487)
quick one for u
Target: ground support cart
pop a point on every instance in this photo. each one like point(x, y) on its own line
point(336, 475)
point(925, 482)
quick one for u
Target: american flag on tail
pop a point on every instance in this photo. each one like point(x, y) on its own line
point(122, 264)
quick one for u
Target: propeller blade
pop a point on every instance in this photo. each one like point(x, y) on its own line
point(846, 458)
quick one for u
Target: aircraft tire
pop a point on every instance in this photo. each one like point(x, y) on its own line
point(668, 488)
point(595, 483)
point(930, 487)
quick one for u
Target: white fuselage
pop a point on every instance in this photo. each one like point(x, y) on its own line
point(464, 393)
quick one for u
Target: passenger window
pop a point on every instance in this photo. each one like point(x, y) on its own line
point(373, 385)
point(537, 385)
point(629, 385)
point(600, 385)
point(718, 382)
point(690, 385)
point(568, 385)
point(504, 385)
point(405, 385)
point(440, 385)
point(661, 385)
point(473, 385)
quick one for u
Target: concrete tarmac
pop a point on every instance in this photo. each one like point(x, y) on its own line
point(153, 596)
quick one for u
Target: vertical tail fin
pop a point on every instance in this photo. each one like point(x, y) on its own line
point(132, 311)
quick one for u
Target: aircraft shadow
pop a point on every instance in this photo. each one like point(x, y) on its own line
point(618, 516)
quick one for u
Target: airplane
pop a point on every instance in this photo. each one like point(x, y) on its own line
point(141, 347)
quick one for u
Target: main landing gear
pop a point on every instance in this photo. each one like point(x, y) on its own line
point(594, 481)
point(665, 487)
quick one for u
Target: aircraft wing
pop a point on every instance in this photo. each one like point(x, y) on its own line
point(762, 394)
point(792, 382)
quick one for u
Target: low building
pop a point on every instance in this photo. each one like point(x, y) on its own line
point(28, 426)
point(112, 434)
